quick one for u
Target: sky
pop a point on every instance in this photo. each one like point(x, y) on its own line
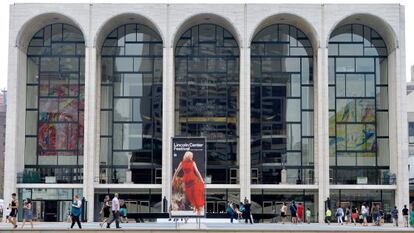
point(4, 21)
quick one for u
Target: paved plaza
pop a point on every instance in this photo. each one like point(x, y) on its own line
point(213, 227)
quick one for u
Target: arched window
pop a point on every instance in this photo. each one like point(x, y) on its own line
point(55, 93)
point(131, 106)
point(358, 106)
point(281, 106)
point(206, 95)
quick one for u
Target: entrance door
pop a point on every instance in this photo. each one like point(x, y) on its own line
point(51, 210)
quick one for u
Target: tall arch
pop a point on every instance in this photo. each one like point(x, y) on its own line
point(358, 105)
point(381, 27)
point(131, 105)
point(36, 23)
point(205, 18)
point(291, 19)
point(55, 91)
point(125, 18)
point(207, 95)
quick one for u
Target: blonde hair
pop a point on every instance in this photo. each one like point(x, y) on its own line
point(188, 155)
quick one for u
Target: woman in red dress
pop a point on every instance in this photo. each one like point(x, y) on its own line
point(193, 182)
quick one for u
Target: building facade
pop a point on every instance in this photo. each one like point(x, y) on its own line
point(3, 108)
point(297, 102)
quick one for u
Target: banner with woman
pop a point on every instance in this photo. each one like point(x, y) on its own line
point(188, 174)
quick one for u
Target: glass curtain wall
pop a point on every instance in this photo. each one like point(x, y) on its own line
point(131, 106)
point(206, 96)
point(55, 93)
point(358, 106)
point(282, 106)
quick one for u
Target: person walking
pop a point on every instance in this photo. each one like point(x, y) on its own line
point(405, 215)
point(115, 212)
point(354, 215)
point(328, 216)
point(394, 216)
point(27, 212)
point(14, 206)
point(105, 210)
point(293, 212)
point(283, 212)
point(308, 214)
point(412, 215)
point(230, 211)
point(123, 212)
point(300, 213)
point(247, 212)
point(375, 215)
point(339, 215)
point(76, 211)
point(364, 213)
point(348, 215)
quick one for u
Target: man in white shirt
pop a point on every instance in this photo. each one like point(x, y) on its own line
point(115, 212)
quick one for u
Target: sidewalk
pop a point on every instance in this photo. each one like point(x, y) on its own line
point(211, 227)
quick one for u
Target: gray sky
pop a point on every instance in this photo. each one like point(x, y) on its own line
point(4, 20)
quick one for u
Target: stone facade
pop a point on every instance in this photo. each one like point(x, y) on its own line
point(243, 21)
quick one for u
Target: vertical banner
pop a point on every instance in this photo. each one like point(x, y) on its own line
point(188, 173)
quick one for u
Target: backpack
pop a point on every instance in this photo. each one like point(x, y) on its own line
point(242, 209)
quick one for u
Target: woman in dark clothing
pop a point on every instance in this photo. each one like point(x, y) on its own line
point(247, 212)
point(106, 210)
point(14, 205)
point(293, 212)
point(76, 211)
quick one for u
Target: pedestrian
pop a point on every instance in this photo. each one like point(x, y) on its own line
point(105, 210)
point(115, 212)
point(27, 212)
point(394, 216)
point(364, 213)
point(76, 211)
point(375, 215)
point(308, 214)
point(247, 212)
point(123, 212)
point(293, 212)
point(14, 206)
point(354, 215)
point(300, 213)
point(230, 211)
point(412, 215)
point(283, 212)
point(381, 216)
point(405, 215)
point(347, 215)
point(328, 216)
point(339, 215)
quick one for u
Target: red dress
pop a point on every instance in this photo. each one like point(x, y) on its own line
point(194, 188)
point(300, 211)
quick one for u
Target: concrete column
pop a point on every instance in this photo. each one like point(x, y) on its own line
point(244, 123)
point(398, 126)
point(321, 120)
point(167, 118)
point(15, 118)
point(91, 135)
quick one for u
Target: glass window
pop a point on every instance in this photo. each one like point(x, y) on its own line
point(54, 106)
point(411, 132)
point(207, 83)
point(359, 120)
point(282, 94)
point(131, 103)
